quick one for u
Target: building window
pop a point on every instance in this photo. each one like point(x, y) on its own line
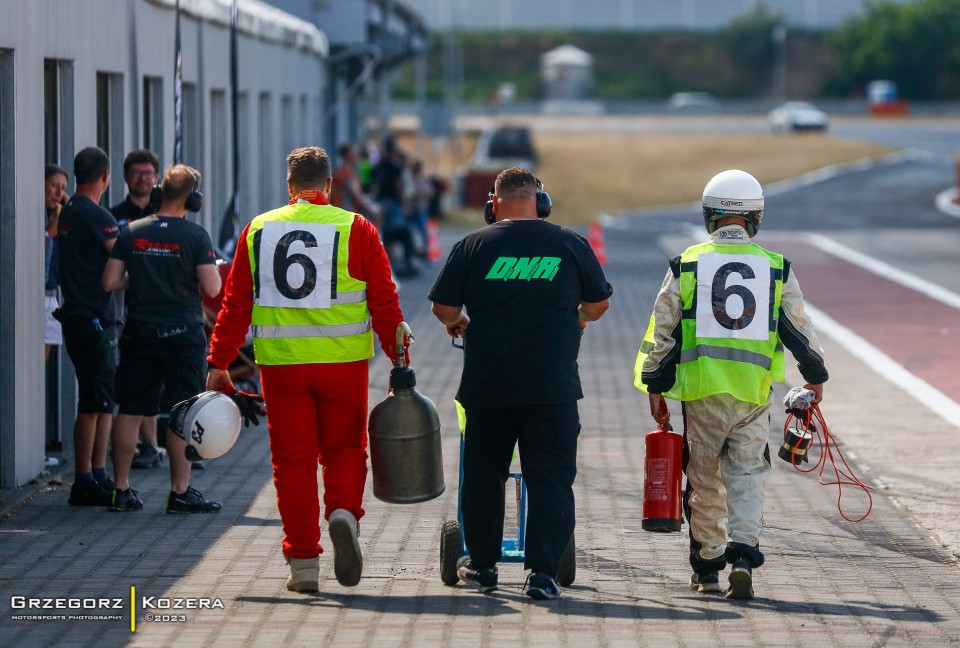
point(192, 134)
point(245, 186)
point(110, 131)
point(153, 114)
point(287, 127)
point(57, 111)
point(268, 161)
point(219, 163)
point(306, 133)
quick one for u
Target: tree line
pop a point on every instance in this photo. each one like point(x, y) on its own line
point(915, 45)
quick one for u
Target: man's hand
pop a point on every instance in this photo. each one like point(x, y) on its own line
point(458, 328)
point(658, 409)
point(218, 378)
point(816, 389)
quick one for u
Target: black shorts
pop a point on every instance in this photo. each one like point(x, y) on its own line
point(153, 357)
point(94, 356)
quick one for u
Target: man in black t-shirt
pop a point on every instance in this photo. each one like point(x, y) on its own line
point(529, 287)
point(90, 317)
point(163, 267)
point(141, 171)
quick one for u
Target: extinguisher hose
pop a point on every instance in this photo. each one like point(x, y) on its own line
point(814, 422)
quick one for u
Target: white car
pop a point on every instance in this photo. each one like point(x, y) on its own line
point(797, 116)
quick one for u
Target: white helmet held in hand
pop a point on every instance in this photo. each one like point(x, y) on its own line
point(733, 193)
point(208, 422)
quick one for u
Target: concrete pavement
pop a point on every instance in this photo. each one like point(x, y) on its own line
point(884, 581)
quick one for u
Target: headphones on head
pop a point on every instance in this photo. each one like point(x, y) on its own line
point(544, 204)
point(194, 201)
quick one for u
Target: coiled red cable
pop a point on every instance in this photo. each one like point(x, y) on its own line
point(815, 423)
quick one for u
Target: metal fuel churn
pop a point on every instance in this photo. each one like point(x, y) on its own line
point(404, 433)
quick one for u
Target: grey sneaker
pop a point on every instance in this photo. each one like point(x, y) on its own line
point(485, 580)
point(124, 500)
point(148, 457)
point(304, 574)
point(741, 580)
point(708, 583)
point(542, 586)
point(347, 559)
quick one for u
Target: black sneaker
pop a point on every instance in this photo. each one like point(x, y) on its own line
point(124, 500)
point(543, 586)
point(485, 580)
point(191, 501)
point(741, 580)
point(708, 583)
point(89, 494)
point(148, 457)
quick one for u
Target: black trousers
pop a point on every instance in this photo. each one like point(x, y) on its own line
point(547, 437)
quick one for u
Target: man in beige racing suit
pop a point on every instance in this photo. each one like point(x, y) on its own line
point(725, 311)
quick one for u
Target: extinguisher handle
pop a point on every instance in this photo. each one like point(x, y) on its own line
point(665, 415)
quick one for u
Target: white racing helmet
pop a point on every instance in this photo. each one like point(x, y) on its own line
point(733, 193)
point(208, 422)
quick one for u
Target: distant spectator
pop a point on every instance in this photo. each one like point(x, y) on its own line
point(54, 195)
point(346, 192)
point(390, 193)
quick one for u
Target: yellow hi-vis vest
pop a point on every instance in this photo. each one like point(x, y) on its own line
point(307, 309)
point(730, 297)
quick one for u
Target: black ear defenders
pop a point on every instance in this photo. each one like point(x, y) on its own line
point(194, 201)
point(544, 204)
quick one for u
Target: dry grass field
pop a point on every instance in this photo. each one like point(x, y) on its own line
point(592, 173)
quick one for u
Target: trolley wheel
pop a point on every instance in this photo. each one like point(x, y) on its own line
point(451, 550)
point(567, 571)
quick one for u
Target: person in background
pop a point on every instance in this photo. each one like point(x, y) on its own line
point(90, 319)
point(54, 195)
point(346, 192)
point(164, 267)
point(141, 172)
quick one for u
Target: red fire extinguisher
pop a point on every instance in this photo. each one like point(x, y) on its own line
point(662, 474)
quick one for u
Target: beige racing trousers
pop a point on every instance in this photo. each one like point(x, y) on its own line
point(727, 465)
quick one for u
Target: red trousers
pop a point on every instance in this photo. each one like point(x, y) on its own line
point(317, 414)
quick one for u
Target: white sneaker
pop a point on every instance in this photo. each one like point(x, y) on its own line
point(304, 574)
point(347, 560)
point(51, 462)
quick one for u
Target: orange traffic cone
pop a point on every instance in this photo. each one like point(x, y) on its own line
point(595, 238)
point(433, 240)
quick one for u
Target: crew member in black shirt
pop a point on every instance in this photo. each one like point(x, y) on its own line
point(529, 287)
point(141, 170)
point(90, 320)
point(163, 267)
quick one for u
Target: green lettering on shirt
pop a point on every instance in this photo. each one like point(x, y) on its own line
point(526, 268)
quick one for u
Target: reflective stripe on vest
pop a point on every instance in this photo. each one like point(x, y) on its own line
point(311, 330)
point(307, 308)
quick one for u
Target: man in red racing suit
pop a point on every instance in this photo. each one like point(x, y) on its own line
point(309, 277)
